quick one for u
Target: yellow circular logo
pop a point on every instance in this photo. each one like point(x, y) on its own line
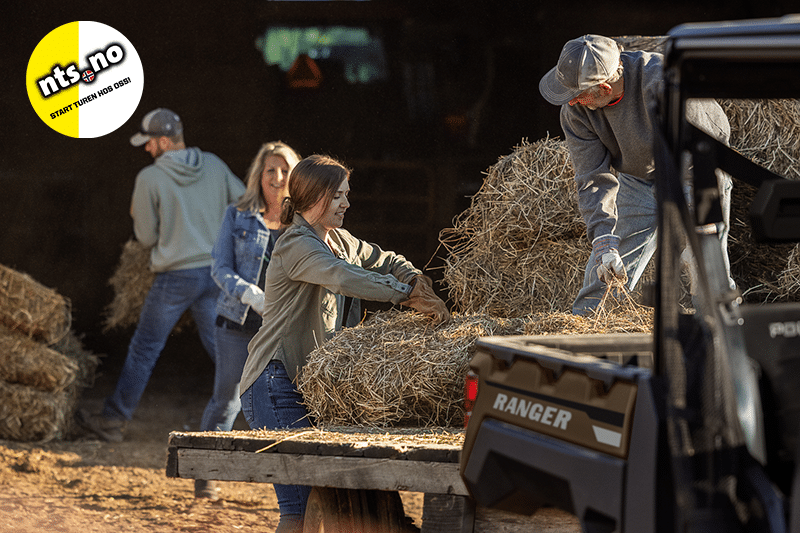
point(84, 79)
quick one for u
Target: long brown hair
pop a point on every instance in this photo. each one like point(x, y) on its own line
point(315, 177)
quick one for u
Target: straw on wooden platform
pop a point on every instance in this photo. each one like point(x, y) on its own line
point(31, 308)
point(402, 438)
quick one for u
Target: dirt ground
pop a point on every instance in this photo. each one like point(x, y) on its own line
point(84, 485)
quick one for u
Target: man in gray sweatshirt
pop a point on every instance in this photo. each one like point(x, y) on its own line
point(606, 97)
point(178, 205)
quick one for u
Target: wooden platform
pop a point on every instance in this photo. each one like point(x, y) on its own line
point(415, 460)
point(381, 461)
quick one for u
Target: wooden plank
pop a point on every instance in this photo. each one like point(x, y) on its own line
point(320, 471)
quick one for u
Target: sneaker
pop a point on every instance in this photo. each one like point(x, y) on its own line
point(108, 429)
point(206, 488)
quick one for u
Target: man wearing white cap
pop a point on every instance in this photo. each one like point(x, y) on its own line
point(607, 101)
point(178, 205)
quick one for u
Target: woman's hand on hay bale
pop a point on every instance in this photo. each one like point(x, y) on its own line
point(424, 300)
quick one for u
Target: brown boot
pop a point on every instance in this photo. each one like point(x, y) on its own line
point(108, 429)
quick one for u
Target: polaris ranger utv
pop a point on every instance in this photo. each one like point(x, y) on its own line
point(693, 428)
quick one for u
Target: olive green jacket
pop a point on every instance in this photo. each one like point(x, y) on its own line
point(306, 283)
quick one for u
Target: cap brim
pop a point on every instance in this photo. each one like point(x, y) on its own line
point(553, 91)
point(139, 139)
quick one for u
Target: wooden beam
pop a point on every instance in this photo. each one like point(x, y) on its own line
point(319, 471)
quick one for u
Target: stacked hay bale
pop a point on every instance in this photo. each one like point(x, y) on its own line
point(516, 257)
point(521, 246)
point(131, 281)
point(768, 133)
point(43, 367)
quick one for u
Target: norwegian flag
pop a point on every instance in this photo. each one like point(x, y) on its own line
point(88, 76)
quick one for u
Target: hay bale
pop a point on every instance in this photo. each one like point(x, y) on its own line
point(395, 369)
point(43, 365)
point(131, 281)
point(644, 43)
point(40, 387)
point(26, 362)
point(31, 308)
point(29, 414)
point(520, 247)
point(789, 281)
point(71, 346)
point(768, 133)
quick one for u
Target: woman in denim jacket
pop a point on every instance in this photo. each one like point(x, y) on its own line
point(241, 255)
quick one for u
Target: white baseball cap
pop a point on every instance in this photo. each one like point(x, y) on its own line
point(584, 62)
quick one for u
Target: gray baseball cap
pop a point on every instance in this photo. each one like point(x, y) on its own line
point(157, 123)
point(584, 62)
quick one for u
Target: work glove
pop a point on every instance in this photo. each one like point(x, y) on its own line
point(609, 264)
point(423, 278)
point(424, 300)
point(254, 297)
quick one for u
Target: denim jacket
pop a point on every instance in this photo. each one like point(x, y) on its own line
point(238, 257)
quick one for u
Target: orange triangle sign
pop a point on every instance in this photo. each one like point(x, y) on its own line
point(304, 73)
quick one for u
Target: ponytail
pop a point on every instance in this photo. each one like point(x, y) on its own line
point(287, 211)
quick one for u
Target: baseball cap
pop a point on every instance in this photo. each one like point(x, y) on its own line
point(157, 123)
point(584, 62)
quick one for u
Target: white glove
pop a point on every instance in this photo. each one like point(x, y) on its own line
point(611, 267)
point(254, 297)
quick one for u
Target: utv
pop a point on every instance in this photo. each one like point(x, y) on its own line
point(695, 427)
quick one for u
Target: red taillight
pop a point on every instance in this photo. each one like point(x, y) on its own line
point(470, 394)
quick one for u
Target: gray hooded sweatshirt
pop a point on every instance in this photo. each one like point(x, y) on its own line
point(178, 205)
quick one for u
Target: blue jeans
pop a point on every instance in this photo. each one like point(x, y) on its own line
point(636, 227)
point(171, 294)
point(224, 405)
point(273, 402)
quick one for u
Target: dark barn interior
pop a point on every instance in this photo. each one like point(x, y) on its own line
point(418, 97)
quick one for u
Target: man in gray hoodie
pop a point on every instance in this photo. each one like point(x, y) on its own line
point(606, 97)
point(178, 205)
